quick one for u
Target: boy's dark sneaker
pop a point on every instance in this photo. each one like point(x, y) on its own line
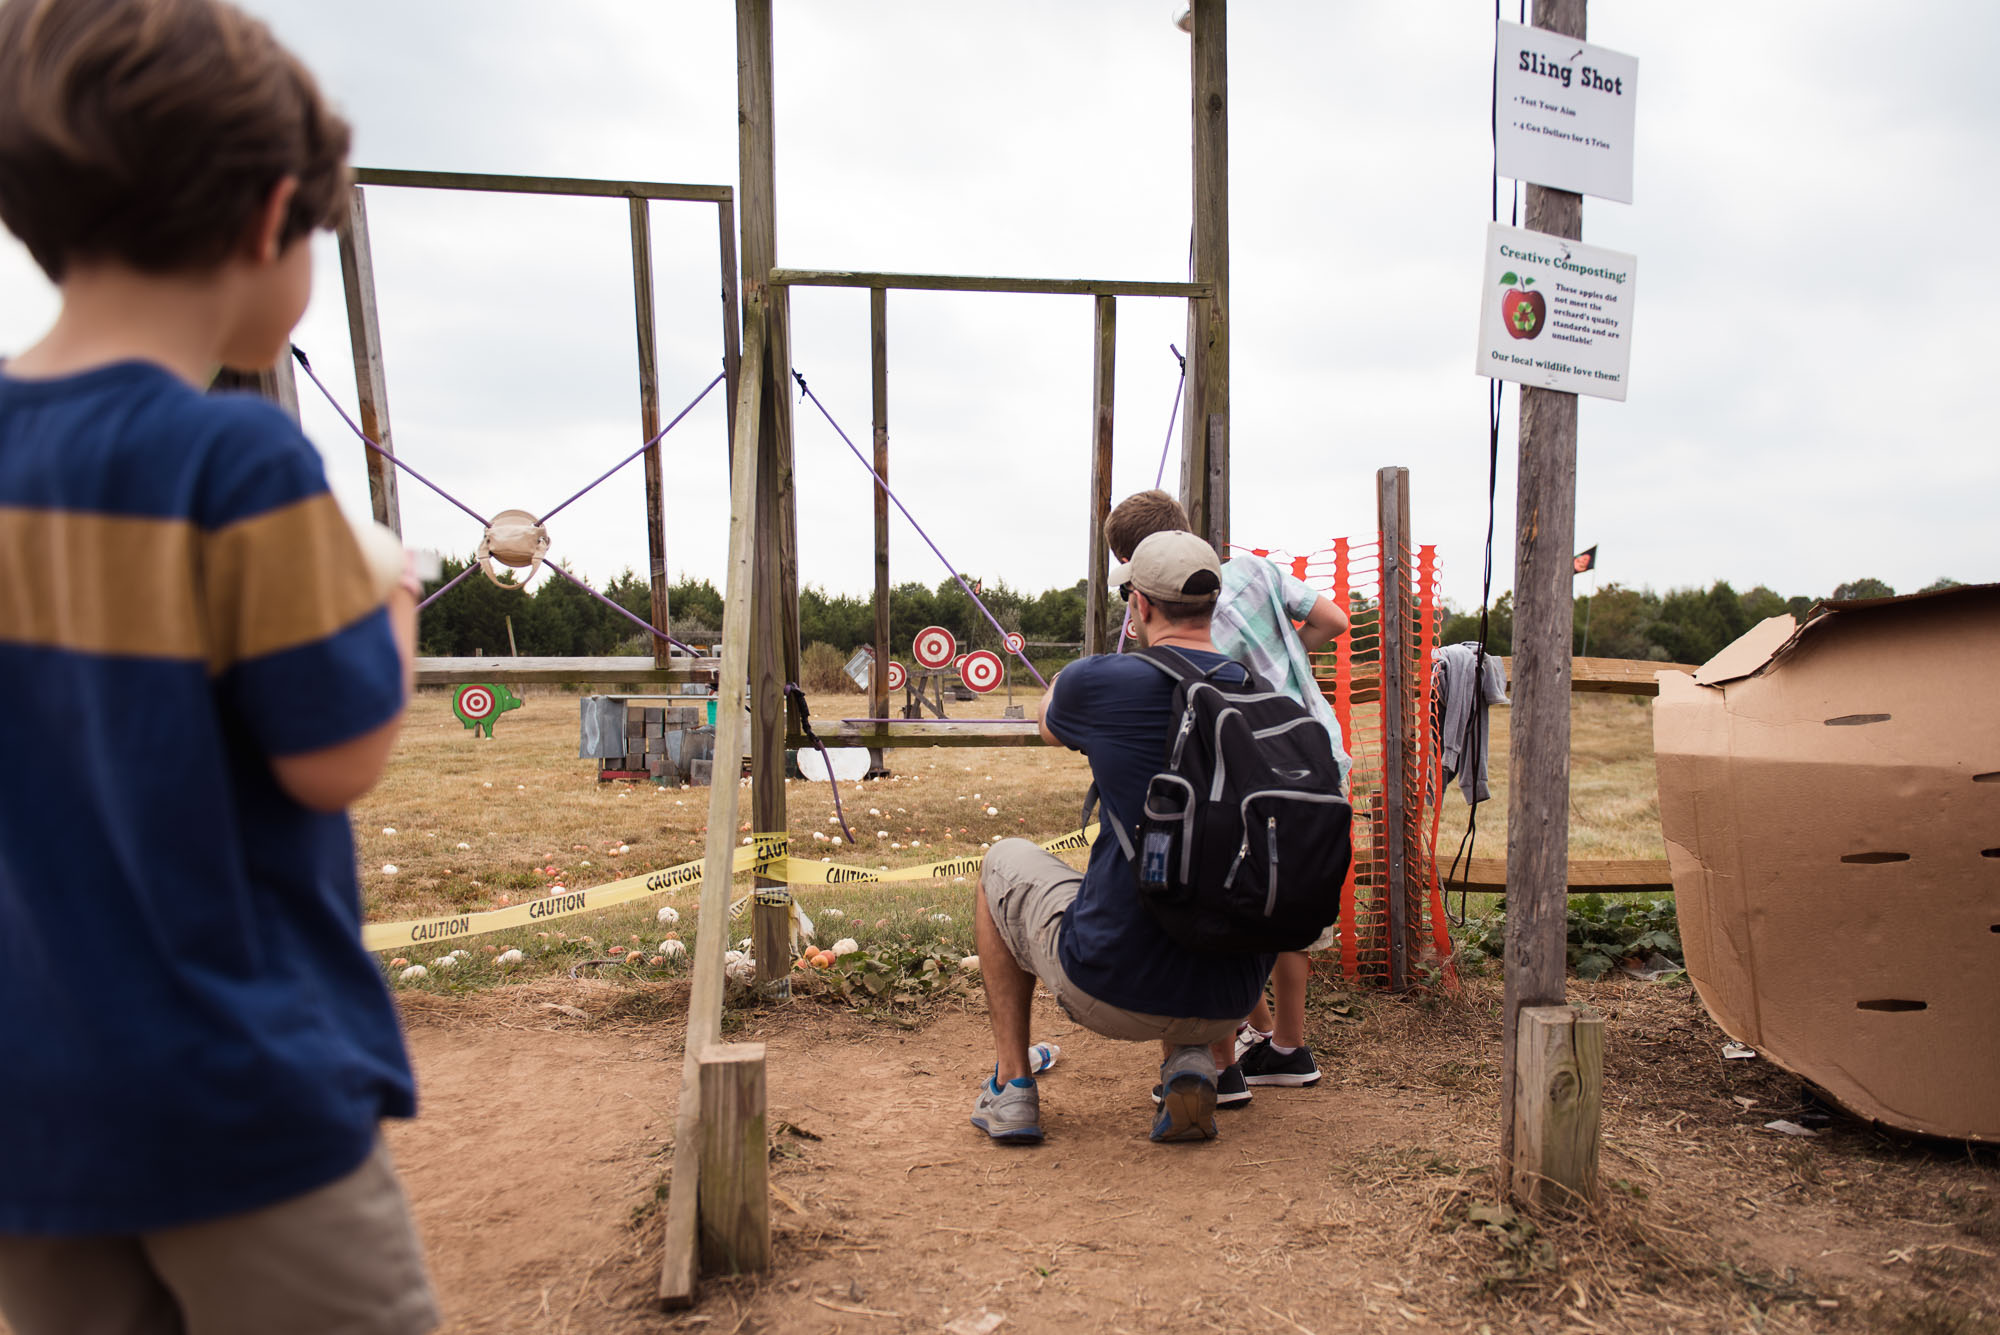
point(1187, 1099)
point(1230, 1089)
point(1265, 1065)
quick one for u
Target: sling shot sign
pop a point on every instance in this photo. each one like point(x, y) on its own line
point(1565, 112)
point(1556, 314)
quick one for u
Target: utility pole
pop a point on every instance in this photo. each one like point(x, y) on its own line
point(1549, 1072)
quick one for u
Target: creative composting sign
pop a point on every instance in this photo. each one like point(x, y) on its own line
point(1556, 314)
point(1565, 112)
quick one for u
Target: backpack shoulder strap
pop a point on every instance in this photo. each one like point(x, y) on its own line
point(1124, 840)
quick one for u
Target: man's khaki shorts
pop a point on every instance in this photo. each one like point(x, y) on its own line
point(341, 1260)
point(1028, 888)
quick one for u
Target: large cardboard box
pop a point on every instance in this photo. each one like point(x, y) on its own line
point(1830, 795)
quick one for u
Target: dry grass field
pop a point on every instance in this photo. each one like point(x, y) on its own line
point(482, 824)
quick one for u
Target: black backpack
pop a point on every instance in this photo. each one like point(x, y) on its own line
point(1245, 838)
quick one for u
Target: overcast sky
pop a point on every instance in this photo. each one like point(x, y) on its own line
point(1814, 200)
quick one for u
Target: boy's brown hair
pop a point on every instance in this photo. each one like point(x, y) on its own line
point(150, 132)
point(1138, 517)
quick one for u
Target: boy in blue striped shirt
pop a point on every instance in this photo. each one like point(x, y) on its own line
point(201, 674)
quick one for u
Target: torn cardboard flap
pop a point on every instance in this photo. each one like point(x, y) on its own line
point(1830, 797)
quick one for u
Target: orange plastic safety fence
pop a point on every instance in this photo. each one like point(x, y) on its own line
point(1350, 573)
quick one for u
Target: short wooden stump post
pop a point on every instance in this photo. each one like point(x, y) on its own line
point(1559, 1074)
point(735, 1203)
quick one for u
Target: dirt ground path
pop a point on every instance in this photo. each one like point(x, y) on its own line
point(537, 1170)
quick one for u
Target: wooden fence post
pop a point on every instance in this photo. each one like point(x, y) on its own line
point(735, 1161)
point(364, 332)
point(1392, 517)
point(878, 360)
point(1103, 361)
point(775, 596)
point(1538, 766)
point(1204, 448)
point(1559, 1069)
point(649, 424)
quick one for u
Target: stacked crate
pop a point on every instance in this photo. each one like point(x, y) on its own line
point(667, 743)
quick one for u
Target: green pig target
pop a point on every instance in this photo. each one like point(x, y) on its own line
point(479, 705)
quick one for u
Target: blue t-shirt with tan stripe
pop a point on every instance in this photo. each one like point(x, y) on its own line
point(192, 1028)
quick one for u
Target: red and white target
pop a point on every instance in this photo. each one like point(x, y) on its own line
point(896, 675)
point(982, 671)
point(475, 703)
point(958, 663)
point(1015, 642)
point(933, 647)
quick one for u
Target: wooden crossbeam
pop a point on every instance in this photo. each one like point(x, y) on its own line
point(543, 185)
point(937, 282)
point(623, 671)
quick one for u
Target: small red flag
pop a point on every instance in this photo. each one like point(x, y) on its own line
point(1583, 561)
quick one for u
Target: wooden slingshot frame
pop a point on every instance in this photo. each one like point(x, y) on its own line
point(504, 538)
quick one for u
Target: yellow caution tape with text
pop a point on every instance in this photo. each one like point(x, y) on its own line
point(766, 855)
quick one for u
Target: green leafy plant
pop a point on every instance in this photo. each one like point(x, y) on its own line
point(1602, 934)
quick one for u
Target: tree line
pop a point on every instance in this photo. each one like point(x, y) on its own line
point(559, 620)
point(1679, 626)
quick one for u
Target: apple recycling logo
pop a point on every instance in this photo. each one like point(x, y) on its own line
point(1523, 312)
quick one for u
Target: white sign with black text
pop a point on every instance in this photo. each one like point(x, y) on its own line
point(1565, 112)
point(1556, 314)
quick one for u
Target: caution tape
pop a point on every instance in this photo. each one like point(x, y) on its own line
point(798, 871)
point(766, 855)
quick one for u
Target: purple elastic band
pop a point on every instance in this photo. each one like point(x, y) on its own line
point(991, 619)
point(1159, 477)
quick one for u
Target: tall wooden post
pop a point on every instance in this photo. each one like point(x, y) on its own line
point(732, 339)
point(878, 362)
point(649, 422)
point(1205, 435)
point(1102, 375)
point(1392, 519)
point(357, 278)
point(679, 1273)
point(1538, 766)
point(775, 588)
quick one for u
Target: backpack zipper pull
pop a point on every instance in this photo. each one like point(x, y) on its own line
point(1271, 838)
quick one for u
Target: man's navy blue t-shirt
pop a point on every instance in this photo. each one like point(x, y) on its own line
point(193, 1029)
point(1118, 711)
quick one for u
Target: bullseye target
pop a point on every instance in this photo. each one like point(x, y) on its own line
point(982, 671)
point(475, 703)
point(958, 663)
point(896, 675)
point(1014, 642)
point(933, 647)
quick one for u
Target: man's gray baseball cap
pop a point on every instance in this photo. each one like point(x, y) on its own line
point(1173, 567)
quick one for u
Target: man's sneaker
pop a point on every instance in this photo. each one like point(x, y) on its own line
point(1187, 1099)
point(1230, 1089)
point(1248, 1036)
point(1265, 1065)
point(1010, 1113)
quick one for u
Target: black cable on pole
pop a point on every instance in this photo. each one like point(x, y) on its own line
point(1473, 752)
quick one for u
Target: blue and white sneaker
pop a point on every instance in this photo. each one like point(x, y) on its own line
point(1010, 1113)
point(1187, 1096)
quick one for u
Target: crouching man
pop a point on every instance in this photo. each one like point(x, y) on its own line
point(1086, 935)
